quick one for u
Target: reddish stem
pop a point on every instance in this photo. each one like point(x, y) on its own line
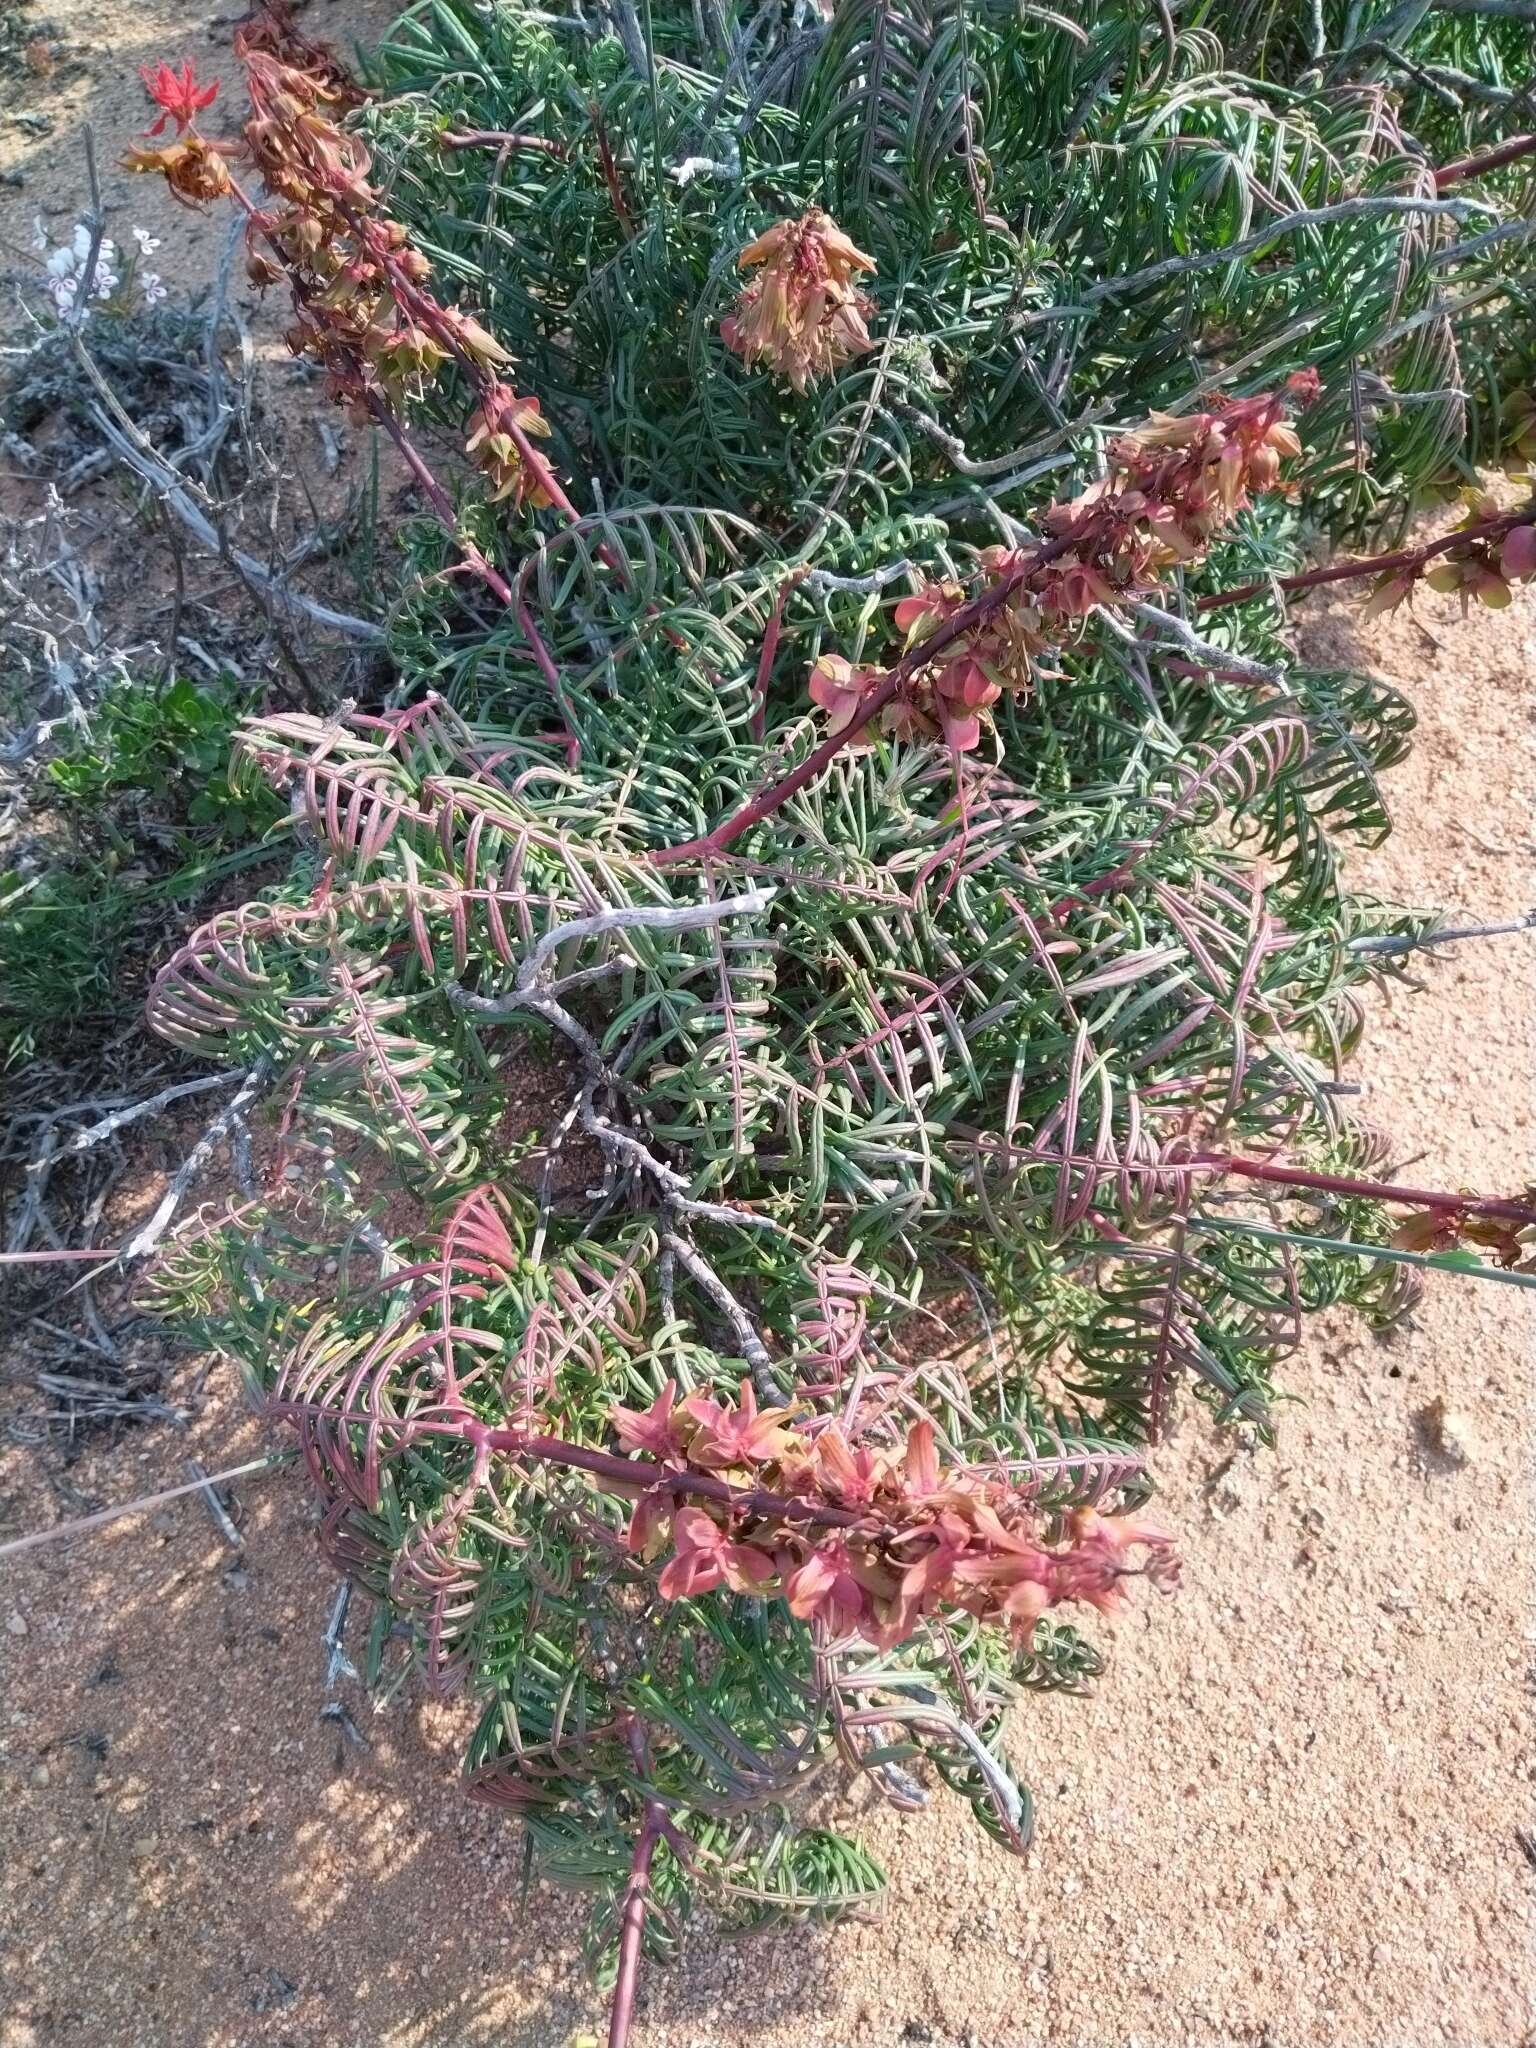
point(870, 705)
point(439, 500)
point(769, 652)
point(547, 668)
point(50, 1258)
point(1369, 565)
point(767, 801)
point(1523, 1213)
point(632, 1921)
point(1490, 160)
point(611, 176)
point(640, 1474)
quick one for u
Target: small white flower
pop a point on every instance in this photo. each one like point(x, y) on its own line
point(104, 284)
point(66, 270)
point(147, 242)
point(39, 235)
point(154, 290)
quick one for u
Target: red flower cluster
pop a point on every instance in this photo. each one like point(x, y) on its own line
point(498, 426)
point(1172, 486)
point(860, 1539)
point(803, 315)
point(196, 170)
point(357, 280)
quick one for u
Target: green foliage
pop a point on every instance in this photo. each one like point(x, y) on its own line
point(62, 935)
point(1022, 180)
point(169, 741)
point(143, 821)
point(926, 1130)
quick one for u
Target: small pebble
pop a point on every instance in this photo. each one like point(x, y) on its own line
point(1447, 1433)
point(17, 1625)
point(42, 1777)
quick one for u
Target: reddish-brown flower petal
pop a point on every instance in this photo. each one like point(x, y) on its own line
point(1517, 557)
point(922, 1460)
point(652, 1429)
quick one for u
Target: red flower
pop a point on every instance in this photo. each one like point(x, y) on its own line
point(1517, 557)
point(732, 1436)
point(706, 1558)
point(845, 1473)
point(839, 688)
point(1093, 1568)
point(1016, 1582)
point(650, 1429)
point(933, 604)
point(1077, 587)
point(178, 93)
point(1305, 387)
point(923, 1583)
point(824, 1588)
point(961, 688)
point(647, 1531)
point(922, 1461)
point(804, 315)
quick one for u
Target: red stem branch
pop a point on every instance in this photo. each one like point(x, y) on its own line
point(53, 1258)
point(769, 653)
point(644, 1474)
point(1369, 565)
point(632, 1914)
point(1444, 1202)
point(440, 501)
point(1490, 160)
point(870, 705)
point(611, 178)
point(1523, 1213)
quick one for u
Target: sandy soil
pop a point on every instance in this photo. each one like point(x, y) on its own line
point(1289, 1817)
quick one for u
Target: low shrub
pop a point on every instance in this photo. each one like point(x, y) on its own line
point(849, 722)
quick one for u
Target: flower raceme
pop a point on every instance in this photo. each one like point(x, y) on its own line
point(861, 1539)
point(497, 426)
point(803, 314)
point(357, 281)
point(1172, 486)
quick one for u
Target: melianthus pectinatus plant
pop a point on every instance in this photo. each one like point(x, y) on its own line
point(848, 723)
